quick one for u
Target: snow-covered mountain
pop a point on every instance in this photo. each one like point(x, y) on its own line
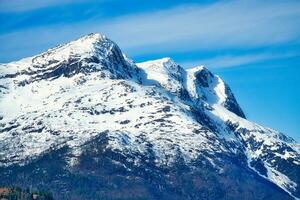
point(86, 122)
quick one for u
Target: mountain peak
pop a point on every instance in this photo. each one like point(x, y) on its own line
point(165, 62)
point(83, 111)
point(91, 41)
point(95, 36)
point(91, 38)
point(200, 71)
point(91, 53)
point(85, 46)
point(197, 68)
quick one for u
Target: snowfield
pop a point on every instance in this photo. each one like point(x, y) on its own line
point(77, 91)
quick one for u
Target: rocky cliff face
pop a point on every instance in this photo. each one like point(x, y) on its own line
point(85, 122)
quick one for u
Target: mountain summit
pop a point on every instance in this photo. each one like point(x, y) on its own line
point(85, 122)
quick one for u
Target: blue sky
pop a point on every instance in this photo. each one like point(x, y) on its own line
point(253, 45)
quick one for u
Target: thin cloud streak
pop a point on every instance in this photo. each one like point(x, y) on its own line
point(238, 60)
point(233, 24)
point(27, 5)
point(225, 25)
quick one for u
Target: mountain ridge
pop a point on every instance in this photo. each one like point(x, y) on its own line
point(154, 115)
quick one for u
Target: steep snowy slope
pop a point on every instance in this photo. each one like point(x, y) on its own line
point(167, 73)
point(198, 82)
point(202, 84)
point(269, 152)
point(153, 127)
point(83, 101)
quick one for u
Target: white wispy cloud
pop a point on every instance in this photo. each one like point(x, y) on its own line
point(239, 60)
point(226, 24)
point(223, 25)
point(27, 5)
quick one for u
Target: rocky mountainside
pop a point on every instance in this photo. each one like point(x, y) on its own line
point(85, 122)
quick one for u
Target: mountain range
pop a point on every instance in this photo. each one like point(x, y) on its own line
point(85, 122)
